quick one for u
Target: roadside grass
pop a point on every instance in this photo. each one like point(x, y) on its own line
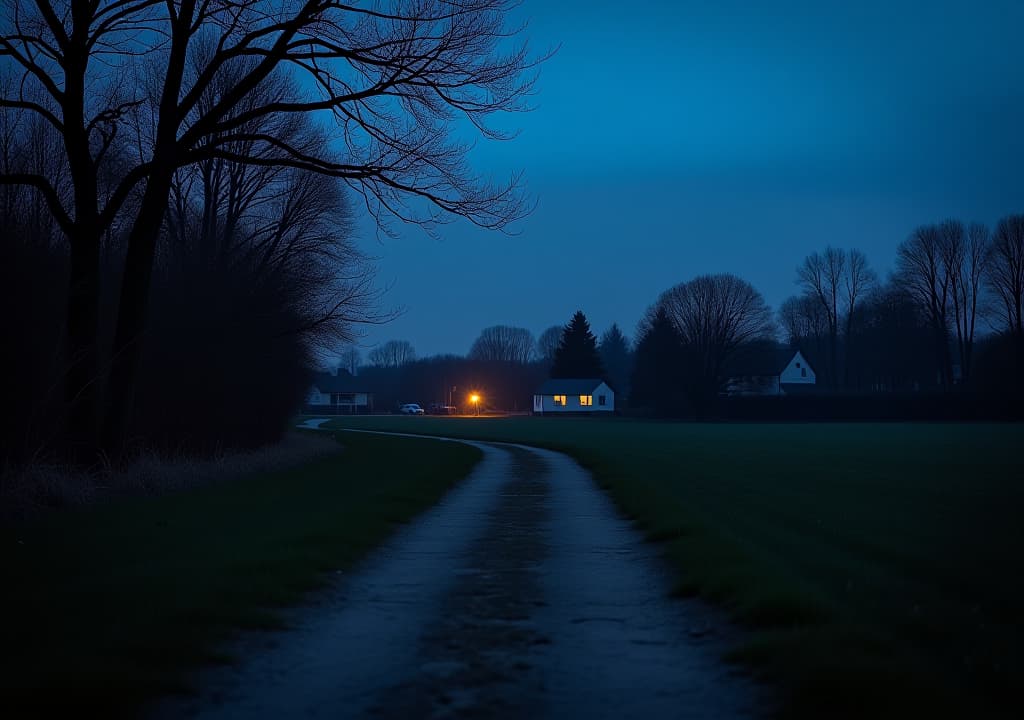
point(878, 566)
point(105, 608)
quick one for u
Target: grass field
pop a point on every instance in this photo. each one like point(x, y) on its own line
point(105, 608)
point(878, 565)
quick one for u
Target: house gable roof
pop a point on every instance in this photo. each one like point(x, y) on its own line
point(569, 386)
point(343, 382)
point(763, 361)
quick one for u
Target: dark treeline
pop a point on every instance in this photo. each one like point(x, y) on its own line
point(940, 338)
point(242, 291)
point(505, 366)
point(448, 380)
point(175, 185)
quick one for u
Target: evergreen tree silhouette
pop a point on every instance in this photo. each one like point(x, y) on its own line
point(577, 355)
point(658, 368)
point(617, 360)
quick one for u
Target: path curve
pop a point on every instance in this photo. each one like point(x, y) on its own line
point(522, 593)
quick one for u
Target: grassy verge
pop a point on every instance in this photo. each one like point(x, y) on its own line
point(878, 565)
point(107, 607)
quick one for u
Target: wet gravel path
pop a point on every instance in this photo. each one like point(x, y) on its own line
point(522, 594)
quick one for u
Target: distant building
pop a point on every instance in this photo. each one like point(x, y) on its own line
point(572, 395)
point(769, 371)
point(338, 394)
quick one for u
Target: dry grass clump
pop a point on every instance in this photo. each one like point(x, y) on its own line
point(39, 486)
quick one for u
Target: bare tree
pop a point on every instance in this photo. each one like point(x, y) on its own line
point(393, 353)
point(858, 281)
point(548, 342)
point(503, 343)
point(350, 359)
point(714, 315)
point(53, 50)
point(1005, 274)
point(822, 277)
point(392, 78)
point(803, 320)
point(965, 255)
point(921, 273)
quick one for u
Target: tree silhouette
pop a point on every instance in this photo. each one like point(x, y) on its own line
point(548, 342)
point(837, 281)
point(393, 353)
point(714, 315)
point(577, 355)
point(657, 378)
point(616, 358)
point(1005, 274)
point(137, 89)
point(921, 273)
point(504, 344)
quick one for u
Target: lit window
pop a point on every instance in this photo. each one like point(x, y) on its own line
point(559, 399)
point(586, 400)
point(600, 399)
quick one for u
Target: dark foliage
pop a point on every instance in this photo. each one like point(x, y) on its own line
point(1000, 365)
point(657, 382)
point(547, 344)
point(33, 280)
point(224, 365)
point(449, 380)
point(134, 95)
point(617, 359)
point(577, 355)
point(715, 315)
point(501, 343)
point(891, 346)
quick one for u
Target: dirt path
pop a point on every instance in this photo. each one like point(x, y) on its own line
point(522, 594)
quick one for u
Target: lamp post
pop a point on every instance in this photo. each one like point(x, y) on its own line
point(475, 399)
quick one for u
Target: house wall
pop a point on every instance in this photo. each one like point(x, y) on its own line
point(546, 403)
point(794, 375)
point(324, 399)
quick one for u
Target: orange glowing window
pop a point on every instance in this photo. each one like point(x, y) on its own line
point(560, 400)
point(586, 400)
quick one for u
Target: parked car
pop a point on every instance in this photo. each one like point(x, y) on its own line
point(411, 409)
point(439, 409)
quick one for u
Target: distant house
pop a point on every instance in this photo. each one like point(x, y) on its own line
point(769, 371)
point(338, 393)
point(586, 395)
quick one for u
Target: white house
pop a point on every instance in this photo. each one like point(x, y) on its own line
point(770, 371)
point(338, 393)
point(574, 395)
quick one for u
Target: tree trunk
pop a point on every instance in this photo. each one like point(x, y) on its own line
point(131, 313)
point(82, 382)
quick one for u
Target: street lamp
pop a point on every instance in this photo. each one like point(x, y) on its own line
point(475, 399)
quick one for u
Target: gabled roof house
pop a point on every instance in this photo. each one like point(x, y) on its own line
point(769, 371)
point(574, 395)
point(336, 393)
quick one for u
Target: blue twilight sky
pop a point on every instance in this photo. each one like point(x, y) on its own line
point(687, 137)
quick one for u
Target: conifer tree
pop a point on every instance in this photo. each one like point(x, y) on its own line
point(617, 359)
point(658, 367)
point(577, 355)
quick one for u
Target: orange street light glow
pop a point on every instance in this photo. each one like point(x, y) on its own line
point(474, 398)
